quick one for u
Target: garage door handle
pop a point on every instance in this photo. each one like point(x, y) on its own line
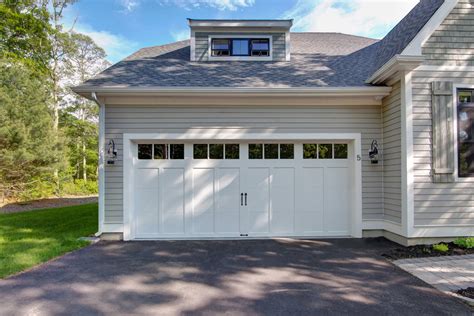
point(241, 199)
point(245, 199)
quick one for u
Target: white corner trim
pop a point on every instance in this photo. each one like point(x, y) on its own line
point(287, 46)
point(193, 46)
point(239, 58)
point(415, 46)
point(408, 196)
point(101, 166)
point(397, 65)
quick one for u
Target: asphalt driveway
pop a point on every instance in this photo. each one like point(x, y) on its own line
point(260, 277)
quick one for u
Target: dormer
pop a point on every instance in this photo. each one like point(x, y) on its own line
point(240, 40)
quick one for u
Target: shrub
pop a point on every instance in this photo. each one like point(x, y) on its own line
point(440, 247)
point(467, 242)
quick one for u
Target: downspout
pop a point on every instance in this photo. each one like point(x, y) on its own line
point(101, 162)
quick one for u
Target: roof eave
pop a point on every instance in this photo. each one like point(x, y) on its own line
point(394, 67)
point(369, 91)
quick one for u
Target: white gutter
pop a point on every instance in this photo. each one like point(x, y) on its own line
point(397, 65)
point(101, 162)
point(372, 91)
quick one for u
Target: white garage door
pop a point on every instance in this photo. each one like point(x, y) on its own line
point(241, 189)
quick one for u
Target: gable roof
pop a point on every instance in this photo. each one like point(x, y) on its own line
point(405, 31)
point(317, 60)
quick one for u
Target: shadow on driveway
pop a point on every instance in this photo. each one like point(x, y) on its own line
point(271, 277)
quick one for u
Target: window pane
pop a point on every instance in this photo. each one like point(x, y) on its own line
point(216, 151)
point(144, 151)
point(310, 151)
point(287, 151)
point(260, 44)
point(340, 151)
point(200, 151)
point(160, 151)
point(240, 47)
point(232, 151)
point(220, 44)
point(271, 151)
point(466, 159)
point(465, 96)
point(177, 151)
point(255, 151)
point(325, 151)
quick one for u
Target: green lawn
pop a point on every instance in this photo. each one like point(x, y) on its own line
point(30, 238)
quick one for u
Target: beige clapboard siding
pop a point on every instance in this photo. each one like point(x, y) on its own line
point(442, 203)
point(364, 119)
point(391, 120)
point(202, 44)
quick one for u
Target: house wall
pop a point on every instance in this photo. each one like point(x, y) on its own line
point(392, 181)
point(364, 119)
point(451, 47)
point(202, 44)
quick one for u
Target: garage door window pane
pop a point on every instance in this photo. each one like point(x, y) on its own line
point(177, 151)
point(325, 151)
point(340, 151)
point(216, 151)
point(287, 151)
point(271, 151)
point(232, 151)
point(160, 151)
point(145, 151)
point(200, 151)
point(255, 151)
point(310, 151)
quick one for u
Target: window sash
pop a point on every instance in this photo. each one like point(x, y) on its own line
point(465, 133)
point(240, 47)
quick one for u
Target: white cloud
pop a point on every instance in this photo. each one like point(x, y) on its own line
point(180, 35)
point(372, 18)
point(116, 46)
point(129, 5)
point(230, 5)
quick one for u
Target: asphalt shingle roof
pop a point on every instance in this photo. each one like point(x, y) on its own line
point(317, 60)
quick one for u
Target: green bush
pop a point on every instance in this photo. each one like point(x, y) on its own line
point(440, 247)
point(80, 187)
point(467, 242)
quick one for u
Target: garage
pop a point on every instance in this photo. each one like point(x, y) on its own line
point(240, 189)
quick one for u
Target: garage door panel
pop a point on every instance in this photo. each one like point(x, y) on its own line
point(227, 218)
point(146, 202)
point(336, 201)
point(172, 215)
point(310, 202)
point(258, 191)
point(203, 200)
point(282, 200)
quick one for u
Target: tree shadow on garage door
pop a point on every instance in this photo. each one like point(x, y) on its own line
point(338, 276)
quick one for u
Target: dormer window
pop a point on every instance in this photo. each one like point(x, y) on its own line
point(240, 48)
point(260, 47)
point(220, 47)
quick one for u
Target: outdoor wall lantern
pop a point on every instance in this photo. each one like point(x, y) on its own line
point(374, 152)
point(111, 152)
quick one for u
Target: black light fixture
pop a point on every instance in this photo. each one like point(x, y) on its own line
point(111, 153)
point(374, 152)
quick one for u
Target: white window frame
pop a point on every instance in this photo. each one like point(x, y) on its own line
point(240, 58)
point(455, 127)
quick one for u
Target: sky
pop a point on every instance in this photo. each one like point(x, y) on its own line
point(122, 27)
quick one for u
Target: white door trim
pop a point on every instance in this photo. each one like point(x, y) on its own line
point(129, 152)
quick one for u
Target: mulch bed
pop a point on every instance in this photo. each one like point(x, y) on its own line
point(422, 251)
point(47, 203)
point(469, 292)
